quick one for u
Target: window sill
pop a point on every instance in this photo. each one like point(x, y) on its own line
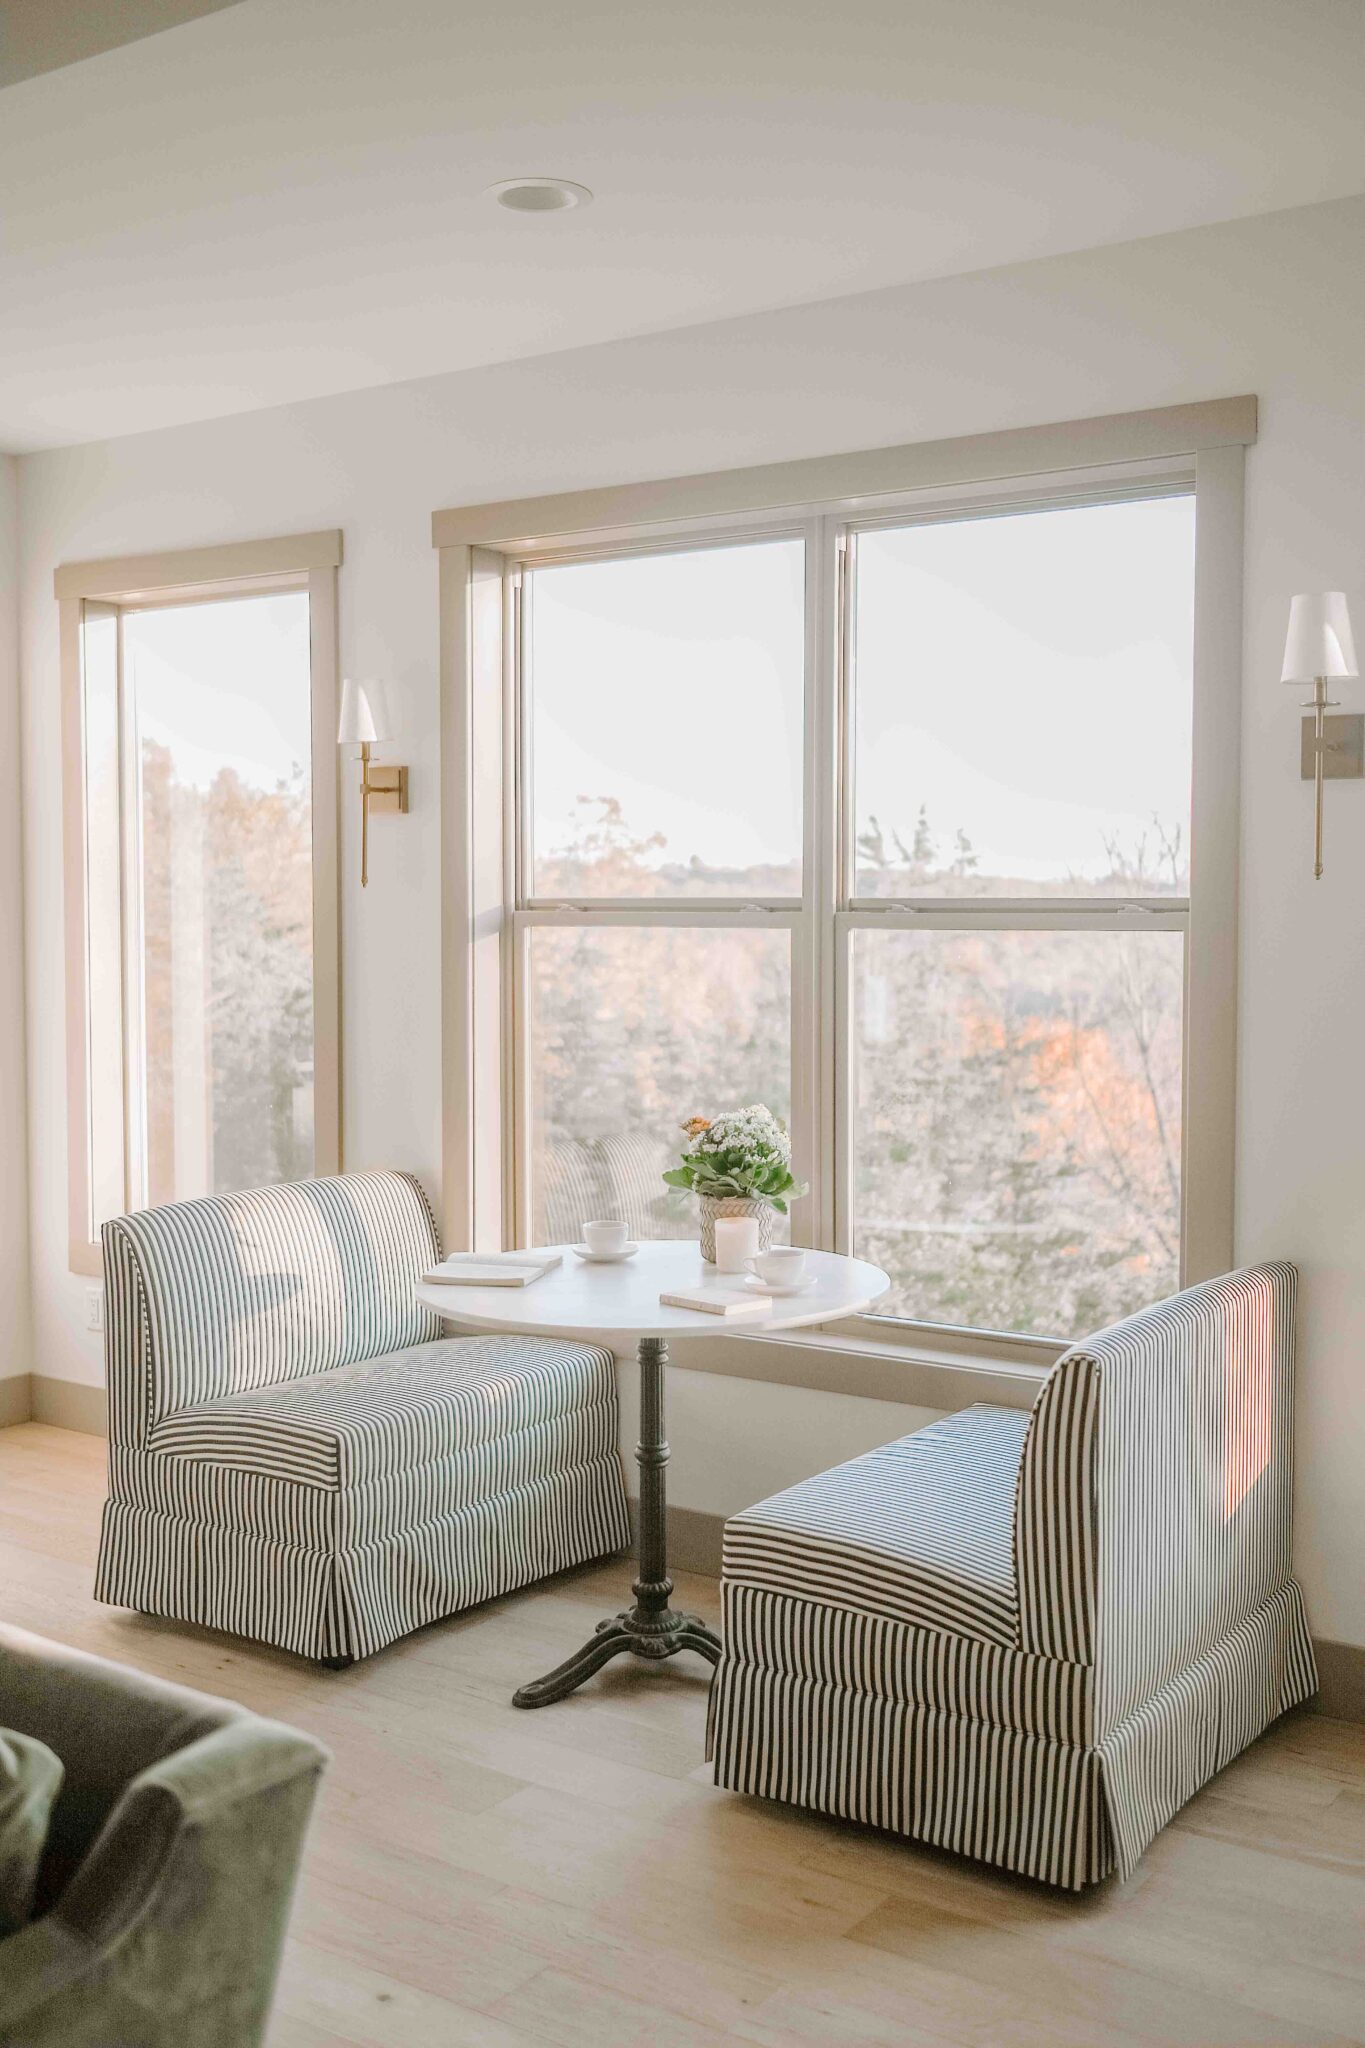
point(842, 1358)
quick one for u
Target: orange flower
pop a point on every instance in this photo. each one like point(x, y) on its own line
point(695, 1125)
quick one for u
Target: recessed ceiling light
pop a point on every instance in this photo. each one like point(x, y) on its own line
point(539, 195)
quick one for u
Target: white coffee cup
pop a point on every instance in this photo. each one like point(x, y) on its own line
point(782, 1265)
point(604, 1237)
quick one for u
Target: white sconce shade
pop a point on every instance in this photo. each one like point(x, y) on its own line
point(364, 714)
point(1319, 641)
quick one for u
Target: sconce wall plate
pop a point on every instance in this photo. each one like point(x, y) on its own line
point(388, 788)
point(1343, 757)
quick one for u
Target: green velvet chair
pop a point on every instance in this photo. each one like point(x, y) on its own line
point(165, 1887)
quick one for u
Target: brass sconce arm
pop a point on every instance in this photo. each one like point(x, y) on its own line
point(1319, 704)
point(381, 789)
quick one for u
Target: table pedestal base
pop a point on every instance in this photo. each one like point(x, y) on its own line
point(654, 1637)
point(651, 1629)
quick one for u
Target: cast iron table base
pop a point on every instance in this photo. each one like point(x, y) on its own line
point(650, 1629)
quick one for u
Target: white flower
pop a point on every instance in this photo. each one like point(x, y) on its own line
point(753, 1131)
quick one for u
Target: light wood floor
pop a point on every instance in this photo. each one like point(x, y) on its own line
point(504, 1880)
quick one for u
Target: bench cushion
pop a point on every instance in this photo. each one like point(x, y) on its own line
point(429, 1403)
point(919, 1531)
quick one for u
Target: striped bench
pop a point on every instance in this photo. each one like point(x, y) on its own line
point(1030, 1638)
point(297, 1455)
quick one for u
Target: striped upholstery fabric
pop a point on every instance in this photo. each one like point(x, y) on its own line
point(1190, 1403)
point(994, 1793)
point(296, 1456)
point(235, 1292)
point(1116, 1618)
point(919, 1531)
point(391, 1414)
point(874, 1656)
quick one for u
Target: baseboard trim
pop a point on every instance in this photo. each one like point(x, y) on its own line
point(16, 1399)
point(1341, 1680)
point(694, 1539)
point(68, 1404)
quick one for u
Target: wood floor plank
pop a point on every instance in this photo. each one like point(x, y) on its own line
point(1133, 1998)
point(411, 1947)
point(854, 2007)
point(703, 1988)
point(573, 2013)
point(374, 2010)
point(288, 2032)
point(1331, 1836)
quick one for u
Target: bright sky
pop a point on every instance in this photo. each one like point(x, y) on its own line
point(225, 685)
point(673, 683)
point(1027, 678)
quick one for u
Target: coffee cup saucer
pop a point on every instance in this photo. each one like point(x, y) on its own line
point(757, 1285)
point(592, 1258)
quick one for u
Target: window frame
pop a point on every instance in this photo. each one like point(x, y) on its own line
point(307, 562)
point(485, 552)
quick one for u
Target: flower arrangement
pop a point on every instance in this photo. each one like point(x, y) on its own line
point(742, 1153)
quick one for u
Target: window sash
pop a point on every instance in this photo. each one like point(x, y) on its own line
point(957, 918)
point(1153, 481)
point(641, 916)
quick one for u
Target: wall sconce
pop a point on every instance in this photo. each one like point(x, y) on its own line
point(1319, 649)
point(365, 723)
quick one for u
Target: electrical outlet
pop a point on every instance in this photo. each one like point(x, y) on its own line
point(94, 1308)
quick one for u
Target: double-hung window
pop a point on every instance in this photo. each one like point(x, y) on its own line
point(885, 813)
point(201, 875)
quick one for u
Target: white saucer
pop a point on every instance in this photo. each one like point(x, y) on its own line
point(604, 1258)
point(758, 1286)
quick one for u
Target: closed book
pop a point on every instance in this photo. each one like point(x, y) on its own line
point(484, 1273)
point(542, 1261)
point(731, 1306)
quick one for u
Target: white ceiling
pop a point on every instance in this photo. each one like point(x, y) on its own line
point(283, 199)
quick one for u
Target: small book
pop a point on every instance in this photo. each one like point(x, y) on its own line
point(542, 1261)
point(731, 1306)
point(496, 1270)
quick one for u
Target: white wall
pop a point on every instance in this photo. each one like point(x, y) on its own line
point(733, 1442)
point(1275, 306)
point(14, 1303)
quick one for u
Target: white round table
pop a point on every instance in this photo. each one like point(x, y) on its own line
point(610, 1303)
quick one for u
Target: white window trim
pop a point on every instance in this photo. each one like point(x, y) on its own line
point(296, 561)
point(481, 548)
